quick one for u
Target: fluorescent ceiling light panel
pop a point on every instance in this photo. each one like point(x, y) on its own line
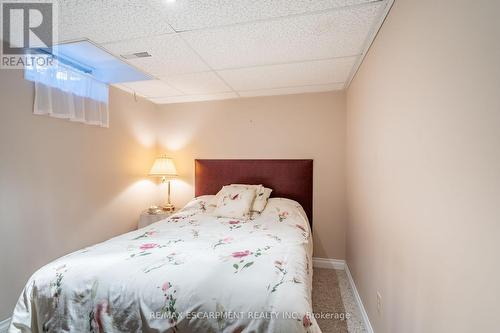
point(103, 66)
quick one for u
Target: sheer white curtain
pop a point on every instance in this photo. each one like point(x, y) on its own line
point(64, 92)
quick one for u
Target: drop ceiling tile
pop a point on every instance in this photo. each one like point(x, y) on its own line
point(193, 98)
point(316, 36)
point(292, 90)
point(289, 75)
point(109, 20)
point(170, 55)
point(197, 83)
point(151, 88)
point(198, 14)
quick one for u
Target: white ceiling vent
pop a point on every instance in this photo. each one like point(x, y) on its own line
point(135, 55)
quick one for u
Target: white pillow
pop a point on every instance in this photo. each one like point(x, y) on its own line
point(261, 195)
point(234, 202)
point(203, 203)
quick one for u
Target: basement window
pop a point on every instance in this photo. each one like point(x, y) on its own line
point(76, 85)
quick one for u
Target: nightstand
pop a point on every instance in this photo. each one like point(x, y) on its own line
point(146, 218)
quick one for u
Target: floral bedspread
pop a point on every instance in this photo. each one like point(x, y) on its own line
point(192, 272)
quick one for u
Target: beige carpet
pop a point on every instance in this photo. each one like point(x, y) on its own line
point(327, 299)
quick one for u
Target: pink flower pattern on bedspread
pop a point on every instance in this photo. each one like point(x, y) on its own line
point(153, 279)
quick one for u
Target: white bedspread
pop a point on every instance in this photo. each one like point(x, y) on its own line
point(189, 273)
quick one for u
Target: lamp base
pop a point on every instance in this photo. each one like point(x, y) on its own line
point(168, 207)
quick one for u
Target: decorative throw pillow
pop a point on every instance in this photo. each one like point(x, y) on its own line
point(262, 194)
point(234, 202)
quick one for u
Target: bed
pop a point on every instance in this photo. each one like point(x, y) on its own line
point(192, 272)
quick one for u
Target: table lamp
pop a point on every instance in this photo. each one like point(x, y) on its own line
point(164, 167)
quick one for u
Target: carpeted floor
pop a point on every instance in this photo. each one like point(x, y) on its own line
point(332, 295)
point(327, 301)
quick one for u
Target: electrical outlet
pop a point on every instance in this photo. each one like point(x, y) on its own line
point(379, 303)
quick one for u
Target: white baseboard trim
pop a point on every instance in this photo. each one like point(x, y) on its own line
point(4, 325)
point(361, 307)
point(342, 265)
point(329, 263)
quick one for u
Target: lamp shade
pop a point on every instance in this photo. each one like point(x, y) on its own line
point(163, 167)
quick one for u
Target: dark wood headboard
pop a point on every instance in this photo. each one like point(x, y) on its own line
point(292, 179)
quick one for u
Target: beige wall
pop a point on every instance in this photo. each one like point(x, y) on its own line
point(423, 147)
point(294, 126)
point(66, 185)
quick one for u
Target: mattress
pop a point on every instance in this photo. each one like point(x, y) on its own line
point(192, 272)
